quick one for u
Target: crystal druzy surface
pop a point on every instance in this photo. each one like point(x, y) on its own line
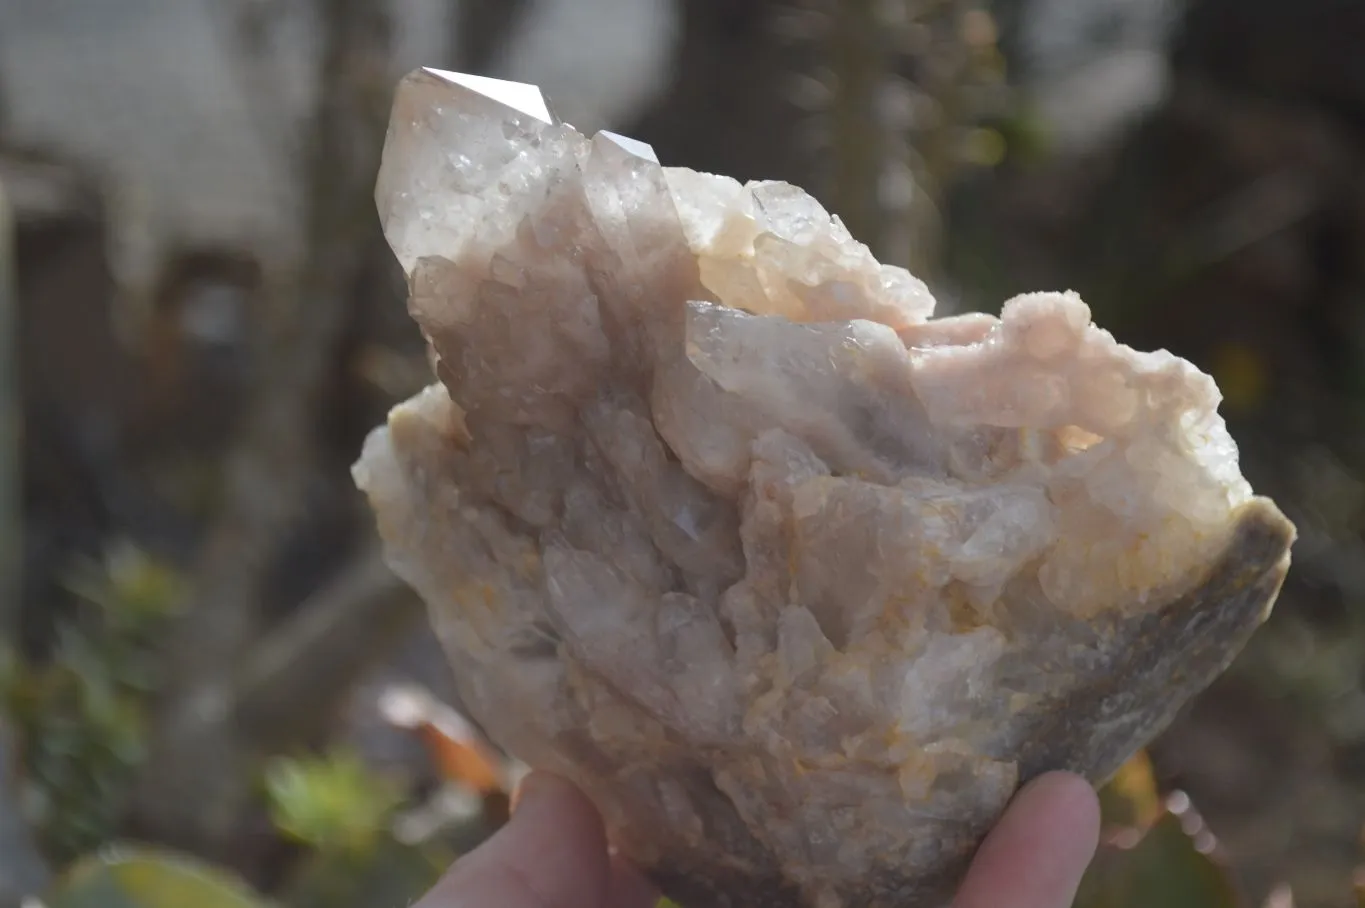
point(797, 582)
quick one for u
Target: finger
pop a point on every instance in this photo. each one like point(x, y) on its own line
point(1037, 853)
point(629, 888)
point(551, 854)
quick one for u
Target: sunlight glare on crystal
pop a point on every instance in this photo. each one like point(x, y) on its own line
point(521, 97)
point(633, 146)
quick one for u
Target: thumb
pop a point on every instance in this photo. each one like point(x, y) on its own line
point(552, 853)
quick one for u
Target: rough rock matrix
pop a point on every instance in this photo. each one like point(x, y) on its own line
point(797, 582)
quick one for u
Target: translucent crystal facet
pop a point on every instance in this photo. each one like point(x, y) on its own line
point(713, 517)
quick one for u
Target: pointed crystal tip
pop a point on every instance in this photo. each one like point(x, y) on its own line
point(519, 96)
point(632, 146)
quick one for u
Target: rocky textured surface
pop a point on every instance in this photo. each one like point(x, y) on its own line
point(796, 581)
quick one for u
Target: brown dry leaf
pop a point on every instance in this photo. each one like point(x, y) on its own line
point(462, 761)
point(458, 751)
point(1131, 798)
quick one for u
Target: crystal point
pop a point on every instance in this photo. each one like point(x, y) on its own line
point(797, 582)
point(518, 96)
point(633, 146)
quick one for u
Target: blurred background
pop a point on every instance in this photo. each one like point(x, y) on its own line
point(213, 692)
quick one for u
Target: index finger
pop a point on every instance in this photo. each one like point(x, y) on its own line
point(1037, 853)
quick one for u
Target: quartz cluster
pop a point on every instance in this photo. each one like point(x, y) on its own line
point(796, 581)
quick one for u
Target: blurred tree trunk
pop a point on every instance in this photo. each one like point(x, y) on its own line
point(728, 109)
point(197, 783)
point(483, 29)
point(857, 140)
point(11, 508)
point(868, 105)
point(21, 868)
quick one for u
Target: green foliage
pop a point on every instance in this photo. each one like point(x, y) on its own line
point(133, 592)
point(1026, 136)
point(333, 803)
point(80, 714)
point(344, 812)
point(390, 874)
point(146, 878)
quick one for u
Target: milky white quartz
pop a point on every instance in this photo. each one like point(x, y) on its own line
point(714, 518)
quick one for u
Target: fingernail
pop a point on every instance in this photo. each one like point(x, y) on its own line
point(531, 786)
point(516, 796)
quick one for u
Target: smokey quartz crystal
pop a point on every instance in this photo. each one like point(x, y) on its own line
point(797, 582)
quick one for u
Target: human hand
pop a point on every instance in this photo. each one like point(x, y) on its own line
point(1035, 856)
point(553, 854)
